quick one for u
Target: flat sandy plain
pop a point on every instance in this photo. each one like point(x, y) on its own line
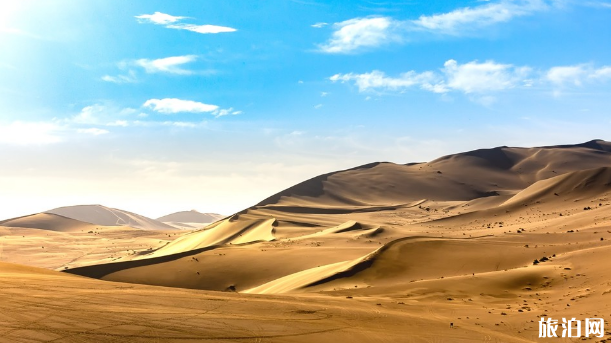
point(378, 253)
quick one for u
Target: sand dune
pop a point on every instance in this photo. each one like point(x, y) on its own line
point(577, 184)
point(226, 232)
point(489, 240)
point(463, 176)
point(192, 216)
point(101, 215)
point(376, 224)
point(56, 242)
point(47, 221)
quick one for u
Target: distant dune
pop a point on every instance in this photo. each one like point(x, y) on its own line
point(48, 221)
point(190, 219)
point(101, 215)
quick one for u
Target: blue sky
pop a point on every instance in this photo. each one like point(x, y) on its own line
point(159, 106)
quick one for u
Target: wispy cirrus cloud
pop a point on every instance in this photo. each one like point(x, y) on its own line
point(469, 19)
point(471, 77)
point(173, 106)
point(378, 80)
point(129, 78)
point(577, 75)
point(477, 78)
point(102, 114)
point(158, 18)
point(359, 34)
point(319, 25)
point(167, 65)
point(486, 77)
point(202, 28)
point(170, 65)
point(174, 22)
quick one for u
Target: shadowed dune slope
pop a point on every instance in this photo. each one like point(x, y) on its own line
point(101, 215)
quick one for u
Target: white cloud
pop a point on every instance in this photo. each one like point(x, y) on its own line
point(577, 74)
point(478, 79)
point(202, 28)
point(474, 77)
point(90, 114)
point(358, 33)
point(172, 22)
point(377, 80)
point(98, 114)
point(172, 105)
point(320, 25)
point(223, 112)
point(30, 133)
point(93, 131)
point(566, 74)
point(158, 18)
point(355, 34)
point(602, 73)
point(317, 106)
point(166, 65)
point(472, 18)
point(129, 78)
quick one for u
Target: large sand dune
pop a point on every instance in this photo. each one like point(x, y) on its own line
point(489, 240)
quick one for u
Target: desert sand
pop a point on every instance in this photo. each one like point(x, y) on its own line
point(489, 240)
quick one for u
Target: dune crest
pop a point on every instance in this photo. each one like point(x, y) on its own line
point(225, 232)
